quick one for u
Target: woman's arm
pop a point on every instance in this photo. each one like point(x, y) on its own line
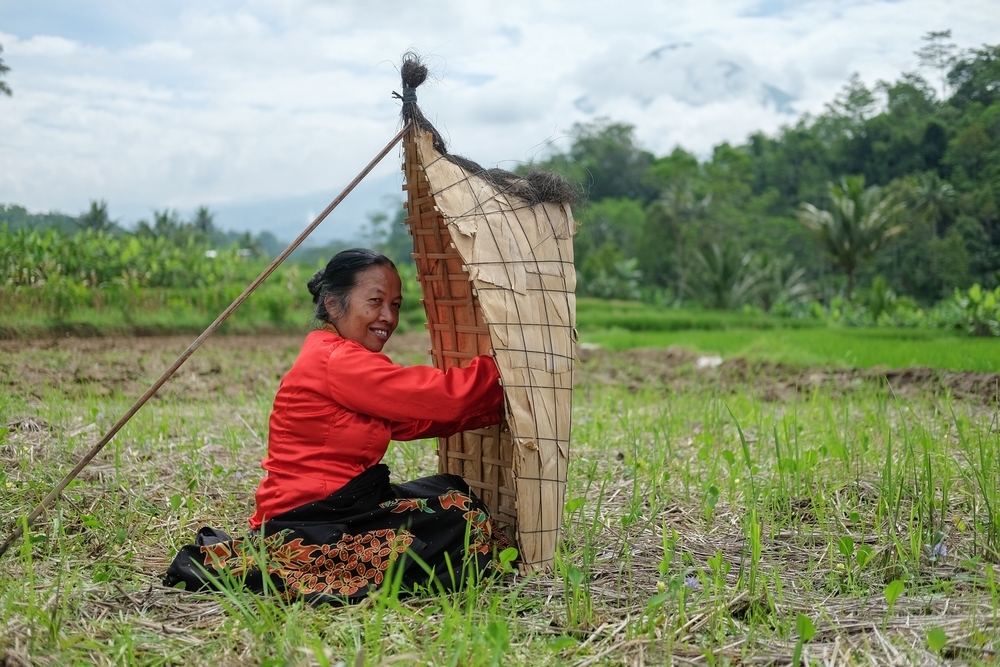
point(412, 430)
point(369, 383)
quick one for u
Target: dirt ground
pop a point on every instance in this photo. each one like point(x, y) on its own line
point(128, 365)
point(680, 368)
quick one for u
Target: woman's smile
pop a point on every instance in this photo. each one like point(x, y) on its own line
point(372, 308)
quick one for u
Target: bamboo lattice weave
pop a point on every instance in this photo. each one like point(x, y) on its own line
point(498, 278)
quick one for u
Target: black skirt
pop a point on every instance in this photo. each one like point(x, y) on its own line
point(432, 533)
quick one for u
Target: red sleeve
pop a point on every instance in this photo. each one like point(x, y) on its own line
point(369, 383)
point(435, 429)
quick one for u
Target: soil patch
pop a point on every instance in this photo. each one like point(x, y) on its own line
point(128, 366)
point(681, 369)
point(109, 365)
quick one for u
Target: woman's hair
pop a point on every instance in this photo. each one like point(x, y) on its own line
point(340, 276)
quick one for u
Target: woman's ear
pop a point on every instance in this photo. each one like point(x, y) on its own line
point(332, 308)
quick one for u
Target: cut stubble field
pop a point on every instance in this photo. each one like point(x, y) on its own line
point(751, 512)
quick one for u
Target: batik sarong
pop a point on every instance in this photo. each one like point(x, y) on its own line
point(431, 533)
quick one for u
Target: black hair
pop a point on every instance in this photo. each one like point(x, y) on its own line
point(340, 276)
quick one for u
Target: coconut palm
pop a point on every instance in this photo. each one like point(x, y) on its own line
point(725, 277)
point(935, 197)
point(204, 221)
point(781, 281)
point(860, 221)
point(4, 88)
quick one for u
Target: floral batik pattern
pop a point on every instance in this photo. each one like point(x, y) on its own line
point(339, 569)
point(454, 498)
point(407, 505)
point(338, 549)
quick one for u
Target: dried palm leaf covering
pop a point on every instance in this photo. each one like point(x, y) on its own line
point(494, 255)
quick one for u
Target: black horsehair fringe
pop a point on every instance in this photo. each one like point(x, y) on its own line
point(535, 187)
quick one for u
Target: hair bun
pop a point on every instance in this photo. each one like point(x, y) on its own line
point(315, 285)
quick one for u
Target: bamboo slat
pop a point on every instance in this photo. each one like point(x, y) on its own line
point(497, 277)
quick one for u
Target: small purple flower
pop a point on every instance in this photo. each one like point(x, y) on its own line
point(693, 583)
point(239, 475)
point(939, 550)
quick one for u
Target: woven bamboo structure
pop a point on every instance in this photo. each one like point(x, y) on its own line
point(498, 278)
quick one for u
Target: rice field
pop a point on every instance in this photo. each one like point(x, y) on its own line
point(742, 512)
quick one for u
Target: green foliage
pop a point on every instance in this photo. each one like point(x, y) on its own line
point(150, 279)
point(17, 217)
point(804, 626)
point(389, 237)
point(724, 277)
point(860, 221)
point(781, 286)
point(610, 277)
point(928, 222)
point(976, 77)
point(95, 258)
point(794, 342)
point(982, 310)
point(893, 590)
point(97, 219)
point(612, 226)
point(597, 316)
point(607, 162)
point(936, 639)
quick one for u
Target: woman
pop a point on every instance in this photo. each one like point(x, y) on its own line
point(333, 527)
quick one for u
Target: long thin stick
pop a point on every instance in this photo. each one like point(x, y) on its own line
point(47, 500)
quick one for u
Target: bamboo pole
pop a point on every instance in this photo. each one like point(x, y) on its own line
point(47, 500)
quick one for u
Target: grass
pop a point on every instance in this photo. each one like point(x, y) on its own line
point(601, 315)
point(624, 325)
point(705, 522)
point(836, 347)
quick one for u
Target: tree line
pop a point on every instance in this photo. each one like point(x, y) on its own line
point(894, 186)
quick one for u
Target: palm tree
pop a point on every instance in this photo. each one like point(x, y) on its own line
point(4, 88)
point(860, 221)
point(781, 281)
point(204, 221)
point(97, 218)
point(935, 196)
point(726, 277)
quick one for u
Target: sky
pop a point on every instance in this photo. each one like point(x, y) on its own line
point(264, 111)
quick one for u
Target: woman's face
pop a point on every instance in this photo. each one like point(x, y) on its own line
point(372, 308)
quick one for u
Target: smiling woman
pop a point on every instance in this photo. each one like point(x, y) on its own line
point(327, 517)
point(360, 296)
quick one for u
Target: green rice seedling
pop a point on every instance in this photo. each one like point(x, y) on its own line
point(576, 591)
point(982, 472)
point(752, 524)
point(806, 631)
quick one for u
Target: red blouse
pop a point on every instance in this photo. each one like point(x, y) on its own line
point(340, 404)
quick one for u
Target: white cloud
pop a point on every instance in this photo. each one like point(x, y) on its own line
point(159, 50)
point(44, 46)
